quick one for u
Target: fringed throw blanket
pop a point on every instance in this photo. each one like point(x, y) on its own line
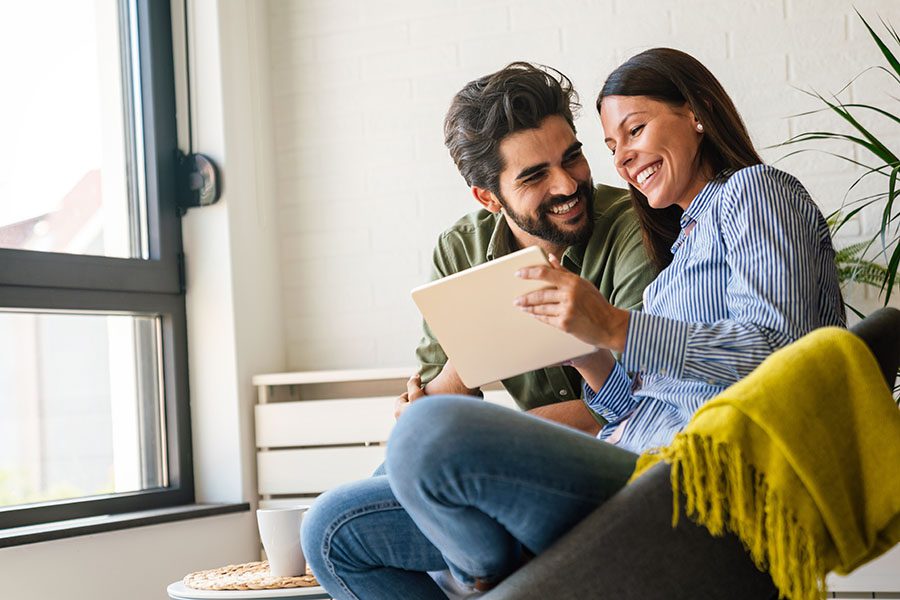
point(801, 460)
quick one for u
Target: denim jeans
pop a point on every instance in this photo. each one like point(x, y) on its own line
point(469, 486)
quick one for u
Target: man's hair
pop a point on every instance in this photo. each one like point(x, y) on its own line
point(518, 97)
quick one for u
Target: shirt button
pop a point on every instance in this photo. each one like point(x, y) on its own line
point(663, 372)
point(563, 392)
point(711, 381)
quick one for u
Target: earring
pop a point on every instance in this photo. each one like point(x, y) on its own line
point(700, 127)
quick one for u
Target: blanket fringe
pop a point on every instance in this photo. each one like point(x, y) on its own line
point(722, 491)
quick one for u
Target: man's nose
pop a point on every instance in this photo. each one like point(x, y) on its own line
point(562, 183)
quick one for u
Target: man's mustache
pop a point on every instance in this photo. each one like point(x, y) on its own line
point(582, 191)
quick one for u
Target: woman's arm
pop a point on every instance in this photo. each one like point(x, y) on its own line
point(780, 261)
point(781, 285)
point(572, 304)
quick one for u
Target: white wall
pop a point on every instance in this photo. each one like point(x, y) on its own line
point(360, 88)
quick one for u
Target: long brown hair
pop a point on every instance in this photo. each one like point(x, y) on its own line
point(677, 78)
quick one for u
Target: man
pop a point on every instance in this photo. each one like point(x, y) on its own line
point(525, 167)
point(512, 136)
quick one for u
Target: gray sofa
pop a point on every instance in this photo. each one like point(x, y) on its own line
point(627, 548)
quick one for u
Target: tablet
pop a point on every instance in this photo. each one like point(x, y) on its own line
point(485, 336)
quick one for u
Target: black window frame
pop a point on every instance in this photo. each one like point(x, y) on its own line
point(65, 282)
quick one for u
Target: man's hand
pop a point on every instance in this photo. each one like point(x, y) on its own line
point(574, 305)
point(414, 391)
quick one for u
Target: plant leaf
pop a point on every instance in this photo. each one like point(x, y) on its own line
point(882, 151)
point(894, 118)
point(892, 60)
point(891, 274)
point(854, 310)
point(886, 214)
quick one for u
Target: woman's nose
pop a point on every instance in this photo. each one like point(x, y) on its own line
point(623, 157)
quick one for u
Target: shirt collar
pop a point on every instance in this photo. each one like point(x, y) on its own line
point(502, 243)
point(699, 205)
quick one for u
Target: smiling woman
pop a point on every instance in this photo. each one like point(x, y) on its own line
point(663, 110)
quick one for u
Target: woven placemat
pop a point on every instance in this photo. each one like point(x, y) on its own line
point(248, 576)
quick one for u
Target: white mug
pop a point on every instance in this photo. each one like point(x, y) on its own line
point(279, 530)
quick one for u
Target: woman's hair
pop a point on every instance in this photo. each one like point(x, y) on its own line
point(677, 78)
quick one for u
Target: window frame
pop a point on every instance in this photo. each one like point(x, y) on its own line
point(79, 283)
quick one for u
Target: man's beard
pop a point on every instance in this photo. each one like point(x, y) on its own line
point(544, 228)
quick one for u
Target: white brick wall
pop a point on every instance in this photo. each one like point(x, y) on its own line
point(360, 88)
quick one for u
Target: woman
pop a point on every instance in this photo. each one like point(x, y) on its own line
point(748, 268)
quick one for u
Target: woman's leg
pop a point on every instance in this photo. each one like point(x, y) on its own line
point(360, 543)
point(482, 482)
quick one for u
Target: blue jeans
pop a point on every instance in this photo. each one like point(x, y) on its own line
point(469, 487)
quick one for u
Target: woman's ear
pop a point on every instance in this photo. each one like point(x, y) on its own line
point(487, 199)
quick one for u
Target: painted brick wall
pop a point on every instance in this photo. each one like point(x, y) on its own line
point(360, 88)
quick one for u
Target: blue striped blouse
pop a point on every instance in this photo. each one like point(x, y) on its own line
point(753, 270)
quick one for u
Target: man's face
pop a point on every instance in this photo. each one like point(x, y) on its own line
point(545, 186)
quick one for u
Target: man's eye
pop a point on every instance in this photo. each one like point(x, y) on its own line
point(636, 130)
point(573, 158)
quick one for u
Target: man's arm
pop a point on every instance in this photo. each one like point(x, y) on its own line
point(448, 382)
point(573, 413)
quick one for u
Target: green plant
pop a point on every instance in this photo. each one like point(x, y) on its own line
point(881, 161)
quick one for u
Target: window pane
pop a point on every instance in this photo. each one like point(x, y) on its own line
point(80, 406)
point(71, 157)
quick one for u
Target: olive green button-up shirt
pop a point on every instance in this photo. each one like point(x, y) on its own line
point(613, 259)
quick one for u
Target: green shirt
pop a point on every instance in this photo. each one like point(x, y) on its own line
point(613, 259)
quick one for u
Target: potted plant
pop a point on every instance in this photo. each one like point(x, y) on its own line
point(854, 262)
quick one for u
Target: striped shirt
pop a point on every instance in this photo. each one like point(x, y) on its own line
point(753, 270)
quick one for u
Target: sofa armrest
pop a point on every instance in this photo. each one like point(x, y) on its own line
point(627, 549)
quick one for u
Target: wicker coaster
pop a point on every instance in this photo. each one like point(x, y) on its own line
point(249, 576)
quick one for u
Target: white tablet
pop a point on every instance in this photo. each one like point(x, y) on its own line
point(485, 336)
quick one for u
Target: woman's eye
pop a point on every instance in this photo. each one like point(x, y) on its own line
point(636, 130)
point(612, 151)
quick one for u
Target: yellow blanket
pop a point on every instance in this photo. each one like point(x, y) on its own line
point(801, 460)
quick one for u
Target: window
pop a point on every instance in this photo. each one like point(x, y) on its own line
point(94, 415)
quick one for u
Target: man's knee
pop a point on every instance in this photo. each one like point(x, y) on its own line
point(428, 433)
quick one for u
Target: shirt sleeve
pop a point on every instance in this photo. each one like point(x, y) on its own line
point(429, 353)
point(769, 232)
point(613, 401)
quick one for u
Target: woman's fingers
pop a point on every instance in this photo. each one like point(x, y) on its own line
point(550, 310)
point(544, 273)
point(544, 296)
point(554, 263)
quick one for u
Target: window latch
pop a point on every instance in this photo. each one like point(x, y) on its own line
point(198, 181)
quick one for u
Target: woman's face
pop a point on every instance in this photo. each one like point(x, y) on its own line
point(655, 148)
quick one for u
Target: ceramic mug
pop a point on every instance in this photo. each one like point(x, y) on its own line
point(279, 530)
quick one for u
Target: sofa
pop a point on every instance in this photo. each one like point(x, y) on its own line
point(627, 548)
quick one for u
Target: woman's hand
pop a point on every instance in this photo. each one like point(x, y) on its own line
point(575, 306)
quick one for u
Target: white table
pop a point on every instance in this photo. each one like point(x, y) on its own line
point(179, 591)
